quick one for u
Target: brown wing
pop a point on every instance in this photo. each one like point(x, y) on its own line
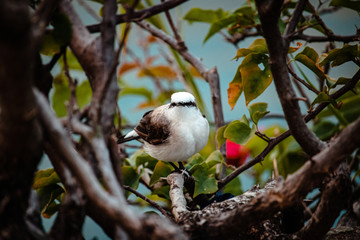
point(153, 132)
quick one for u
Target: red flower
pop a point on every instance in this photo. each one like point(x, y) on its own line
point(236, 154)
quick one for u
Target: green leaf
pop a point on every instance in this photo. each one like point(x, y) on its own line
point(325, 130)
point(71, 60)
point(47, 196)
point(83, 94)
point(309, 58)
point(330, 82)
point(59, 36)
point(194, 160)
point(234, 186)
point(238, 132)
point(323, 97)
point(235, 89)
point(349, 108)
point(61, 95)
point(202, 15)
point(220, 24)
point(220, 136)
point(214, 158)
point(45, 178)
point(50, 209)
point(161, 170)
point(141, 91)
point(256, 75)
point(146, 160)
point(339, 56)
point(258, 46)
point(205, 182)
point(290, 160)
point(130, 177)
point(245, 120)
point(257, 111)
point(354, 5)
point(163, 192)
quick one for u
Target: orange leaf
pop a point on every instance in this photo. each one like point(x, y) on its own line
point(294, 49)
point(235, 89)
point(147, 104)
point(128, 66)
point(150, 60)
point(160, 71)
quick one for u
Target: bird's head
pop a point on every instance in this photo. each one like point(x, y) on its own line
point(184, 99)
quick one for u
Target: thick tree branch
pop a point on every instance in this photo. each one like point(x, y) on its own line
point(141, 14)
point(113, 206)
point(71, 215)
point(288, 193)
point(333, 199)
point(269, 12)
point(20, 133)
point(41, 19)
point(85, 47)
point(106, 89)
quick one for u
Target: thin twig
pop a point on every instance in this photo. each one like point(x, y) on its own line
point(276, 171)
point(338, 38)
point(297, 84)
point(295, 17)
point(151, 202)
point(72, 104)
point(328, 31)
point(173, 28)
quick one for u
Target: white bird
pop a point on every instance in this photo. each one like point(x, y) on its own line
point(172, 132)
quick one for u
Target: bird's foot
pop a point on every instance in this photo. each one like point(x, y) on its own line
point(182, 170)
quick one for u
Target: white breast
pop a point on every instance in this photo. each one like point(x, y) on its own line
point(189, 133)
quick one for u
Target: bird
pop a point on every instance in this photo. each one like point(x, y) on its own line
point(172, 132)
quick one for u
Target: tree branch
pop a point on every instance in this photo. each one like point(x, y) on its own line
point(141, 14)
point(332, 38)
point(113, 206)
point(263, 206)
point(85, 47)
point(347, 87)
point(333, 199)
point(269, 13)
point(41, 19)
point(151, 202)
point(295, 17)
point(210, 75)
point(20, 133)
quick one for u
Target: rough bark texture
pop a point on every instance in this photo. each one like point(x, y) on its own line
point(20, 135)
point(265, 205)
point(269, 13)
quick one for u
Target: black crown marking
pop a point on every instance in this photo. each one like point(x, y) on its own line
point(182, 104)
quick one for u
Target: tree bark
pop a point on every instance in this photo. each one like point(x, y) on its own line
point(20, 133)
